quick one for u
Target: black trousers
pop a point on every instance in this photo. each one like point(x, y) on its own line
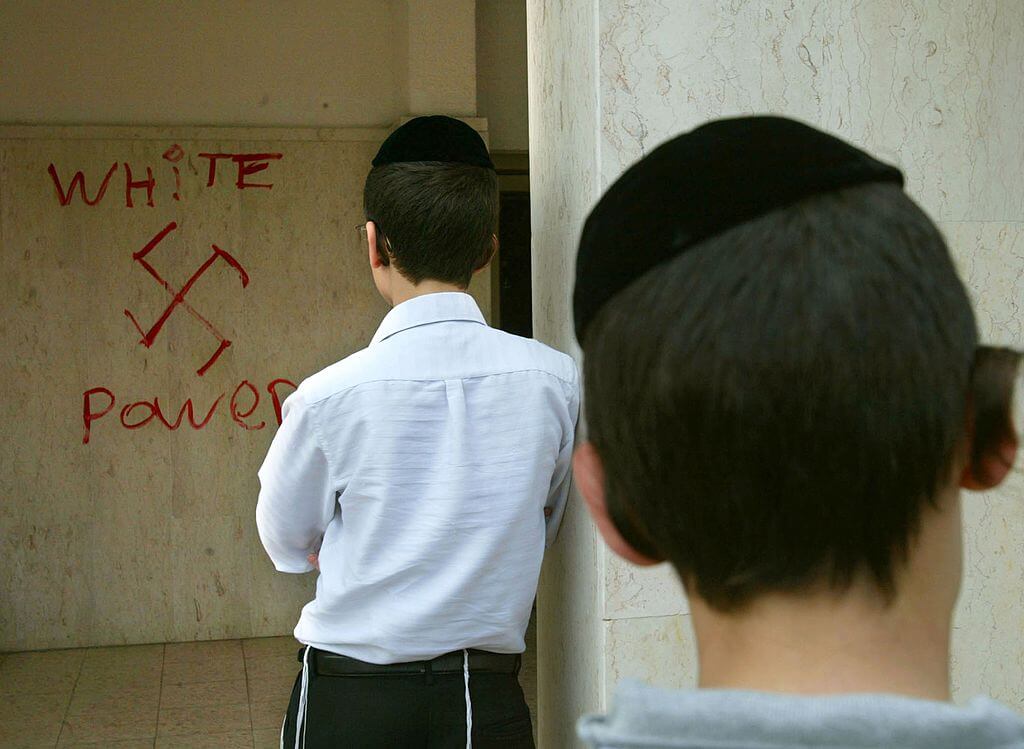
point(399, 711)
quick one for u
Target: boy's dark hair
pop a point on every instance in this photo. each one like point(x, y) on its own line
point(776, 405)
point(436, 219)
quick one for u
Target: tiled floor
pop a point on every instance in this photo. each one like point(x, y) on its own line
point(222, 694)
point(201, 695)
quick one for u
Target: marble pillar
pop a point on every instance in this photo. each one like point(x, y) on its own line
point(932, 85)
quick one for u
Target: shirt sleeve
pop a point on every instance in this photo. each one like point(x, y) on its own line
point(297, 495)
point(562, 477)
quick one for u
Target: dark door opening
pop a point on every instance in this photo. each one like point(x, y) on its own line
point(514, 301)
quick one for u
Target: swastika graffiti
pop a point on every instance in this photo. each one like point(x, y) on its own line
point(178, 297)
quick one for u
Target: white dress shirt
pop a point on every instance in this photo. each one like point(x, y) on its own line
point(420, 468)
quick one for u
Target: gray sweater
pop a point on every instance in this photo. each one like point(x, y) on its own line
point(652, 718)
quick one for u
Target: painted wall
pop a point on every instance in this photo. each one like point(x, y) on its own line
point(129, 519)
point(358, 63)
point(501, 72)
point(201, 63)
point(135, 420)
point(155, 525)
point(935, 89)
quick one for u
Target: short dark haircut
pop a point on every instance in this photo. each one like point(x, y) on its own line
point(775, 406)
point(436, 219)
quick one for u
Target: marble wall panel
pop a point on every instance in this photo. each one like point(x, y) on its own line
point(641, 591)
point(148, 534)
point(932, 86)
point(563, 183)
point(988, 646)
point(658, 650)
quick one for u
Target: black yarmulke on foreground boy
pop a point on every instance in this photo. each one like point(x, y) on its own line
point(434, 138)
point(698, 185)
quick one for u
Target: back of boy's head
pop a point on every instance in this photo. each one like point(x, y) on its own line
point(778, 360)
point(433, 195)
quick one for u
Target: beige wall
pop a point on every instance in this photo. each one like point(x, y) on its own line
point(320, 63)
point(501, 72)
point(936, 90)
point(148, 535)
point(200, 63)
point(440, 63)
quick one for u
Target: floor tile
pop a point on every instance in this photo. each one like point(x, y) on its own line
point(268, 714)
point(137, 698)
point(136, 671)
point(264, 647)
point(122, 653)
point(92, 681)
point(227, 740)
point(267, 738)
point(116, 721)
point(43, 672)
point(31, 719)
point(142, 659)
point(276, 688)
point(30, 707)
point(43, 659)
point(194, 669)
point(203, 719)
point(204, 693)
point(193, 651)
point(278, 665)
point(14, 737)
point(112, 744)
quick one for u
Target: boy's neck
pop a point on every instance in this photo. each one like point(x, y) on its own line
point(827, 642)
point(822, 645)
point(403, 291)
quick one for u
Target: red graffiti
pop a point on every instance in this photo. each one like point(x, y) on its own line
point(78, 183)
point(174, 154)
point(239, 416)
point(247, 163)
point(130, 185)
point(178, 297)
point(140, 413)
point(186, 408)
point(127, 410)
point(272, 389)
point(88, 414)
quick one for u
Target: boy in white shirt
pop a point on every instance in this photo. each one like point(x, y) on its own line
point(426, 474)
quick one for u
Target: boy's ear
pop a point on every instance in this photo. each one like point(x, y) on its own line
point(991, 471)
point(378, 255)
point(991, 436)
point(588, 472)
point(489, 256)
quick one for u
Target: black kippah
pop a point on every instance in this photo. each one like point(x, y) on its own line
point(700, 184)
point(435, 138)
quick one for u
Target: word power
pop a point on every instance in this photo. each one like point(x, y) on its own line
point(178, 297)
point(246, 165)
point(97, 402)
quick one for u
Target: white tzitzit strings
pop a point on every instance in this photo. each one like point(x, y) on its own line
point(469, 702)
point(300, 715)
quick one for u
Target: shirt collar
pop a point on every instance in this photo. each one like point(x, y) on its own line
point(448, 306)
